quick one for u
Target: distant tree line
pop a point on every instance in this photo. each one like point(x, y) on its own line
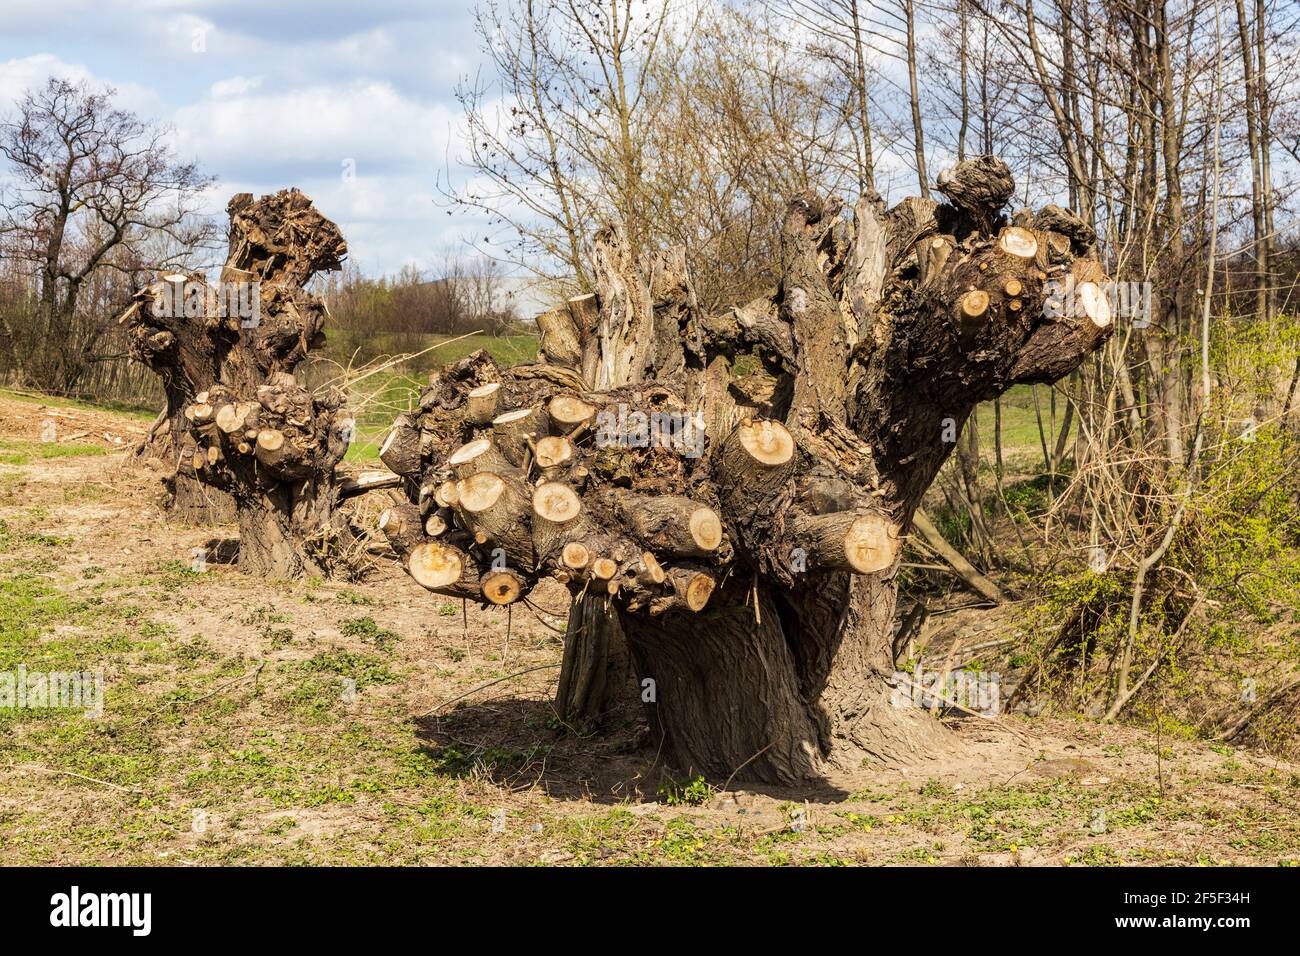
point(389, 315)
point(93, 199)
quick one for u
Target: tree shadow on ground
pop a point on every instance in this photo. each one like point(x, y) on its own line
point(522, 745)
point(221, 550)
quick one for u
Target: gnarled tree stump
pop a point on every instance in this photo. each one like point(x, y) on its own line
point(243, 423)
point(748, 554)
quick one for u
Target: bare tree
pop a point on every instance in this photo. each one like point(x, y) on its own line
point(556, 132)
point(750, 558)
point(90, 184)
point(240, 420)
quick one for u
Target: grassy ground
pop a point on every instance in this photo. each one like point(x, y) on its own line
point(251, 721)
point(34, 430)
point(24, 452)
point(1020, 432)
point(36, 402)
point(379, 396)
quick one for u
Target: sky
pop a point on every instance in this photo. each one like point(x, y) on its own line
point(352, 102)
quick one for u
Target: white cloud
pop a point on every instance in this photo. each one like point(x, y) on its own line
point(281, 94)
point(384, 198)
point(235, 86)
point(317, 127)
point(17, 76)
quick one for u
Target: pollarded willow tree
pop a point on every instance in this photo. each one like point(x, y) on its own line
point(240, 421)
point(746, 551)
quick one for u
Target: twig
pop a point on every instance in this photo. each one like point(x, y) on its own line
point(539, 611)
point(966, 607)
point(951, 703)
point(944, 671)
point(80, 776)
point(912, 624)
point(238, 680)
point(963, 569)
point(1241, 724)
point(475, 690)
point(1122, 700)
point(403, 358)
point(760, 753)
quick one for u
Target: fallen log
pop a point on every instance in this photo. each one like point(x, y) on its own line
point(368, 481)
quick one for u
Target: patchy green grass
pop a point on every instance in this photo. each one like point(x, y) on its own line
point(506, 349)
point(257, 722)
point(126, 409)
point(229, 759)
point(189, 733)
point(17, 452)
point(380, 397)
point(1020, 433)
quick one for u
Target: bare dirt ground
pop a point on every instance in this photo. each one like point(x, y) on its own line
point(253, 721)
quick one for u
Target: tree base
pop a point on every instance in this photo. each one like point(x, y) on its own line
point(595, 672)
point(190, 501)
point(761, 688)
point(195, 503)
point(292, 531)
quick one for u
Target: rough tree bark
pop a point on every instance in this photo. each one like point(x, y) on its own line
point(749, 554)
point(242, 423)
point(189, 500)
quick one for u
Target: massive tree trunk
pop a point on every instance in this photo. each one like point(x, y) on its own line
point(749, 550)
point(242, 424)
